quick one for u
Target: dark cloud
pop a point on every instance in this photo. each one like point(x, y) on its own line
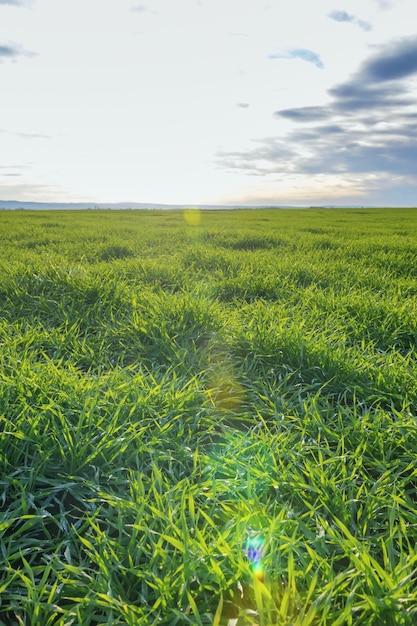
point(398, 61)
point(318, 151)
point(343, 16)
point(351, 97)
point(379, 82)
point(368, 128)
point(378, 85)
point(359, 154)
point(300, 53)
point(304, 114)
point(331, 129)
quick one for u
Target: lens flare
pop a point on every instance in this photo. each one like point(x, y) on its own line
point(255, 548)
point(192, 217)
point(226, 392)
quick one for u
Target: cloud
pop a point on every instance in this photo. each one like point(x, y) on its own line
point(12, 51)
point(15, 3)
point(141, 8)
point(385, 4)
point(328, 150)
point(32, 135)
point(304, 114)
point(300, 53)
point(260, 160)
point(23, 135)
point(367, 130)
point(309, 56)
point(355, 96)
point(331, 129)
point(242, 105)
point(378, 85)
point(21, 188)
point(8, 52)
point(398, 61)
point(343, 16)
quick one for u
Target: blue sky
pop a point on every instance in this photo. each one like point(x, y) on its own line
point(248, 102)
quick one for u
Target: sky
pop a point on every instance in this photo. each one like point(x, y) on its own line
point(231, 102)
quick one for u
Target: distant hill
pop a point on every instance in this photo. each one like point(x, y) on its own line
point(42, 206)
point(17, 204)
point(22, 204)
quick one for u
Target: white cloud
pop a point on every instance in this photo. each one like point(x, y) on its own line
point(343, 16)
point(14, 2)
point(300, 53)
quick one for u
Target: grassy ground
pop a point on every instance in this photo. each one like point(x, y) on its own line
point(208, 418)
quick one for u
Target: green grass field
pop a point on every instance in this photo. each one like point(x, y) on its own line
point(208, 418)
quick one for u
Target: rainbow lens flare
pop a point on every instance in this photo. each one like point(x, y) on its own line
point(255, 548)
